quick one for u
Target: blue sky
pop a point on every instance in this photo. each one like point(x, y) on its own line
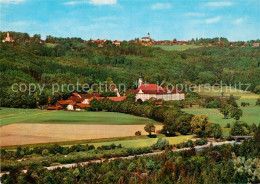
point(128, 19)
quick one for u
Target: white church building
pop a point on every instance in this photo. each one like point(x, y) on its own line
point(148, 91)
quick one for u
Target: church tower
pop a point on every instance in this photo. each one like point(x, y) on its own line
point(140, 80)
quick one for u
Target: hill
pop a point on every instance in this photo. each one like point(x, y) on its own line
point(72, 60)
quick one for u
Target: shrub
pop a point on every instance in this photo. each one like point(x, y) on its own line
point(138, 133)
point(244, 104)
point(201, 142)
point(240, 128)
point(45, 152)
point(258, 102)
point(135, 151)
point(228, 125)
point(161, 144)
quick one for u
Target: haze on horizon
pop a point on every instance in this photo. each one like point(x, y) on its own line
point(129, 19)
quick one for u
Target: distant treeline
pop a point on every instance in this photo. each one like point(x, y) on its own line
point(68, 60)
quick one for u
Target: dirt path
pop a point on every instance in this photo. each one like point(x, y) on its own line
point(22, 134)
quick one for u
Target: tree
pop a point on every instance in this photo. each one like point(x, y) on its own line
point(130, 97)
point(225, 110)
point(240, 128)
point(258, 102)
point(231, 99)
point(236, 113)
point(149, 128)
point(257, 89)
point(95, 105)
point(216, 131)
point(201, 126)
point(161, 144)
point(257, 134)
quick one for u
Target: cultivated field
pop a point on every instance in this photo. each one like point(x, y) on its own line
point(11, 115)
point(21, 134)
point(177, 47)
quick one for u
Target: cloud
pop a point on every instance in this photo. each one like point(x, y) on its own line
point(75, 2)
point(213, 20)
point(239, 20)
point(161, 6)
point(103, 2)
point(218, 4)
point(11, 1)
point(93, 2)
point(194, 14)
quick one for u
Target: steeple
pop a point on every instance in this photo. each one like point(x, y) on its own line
point(140, 80)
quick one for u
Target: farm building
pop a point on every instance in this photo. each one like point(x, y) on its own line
point(81, 101)
point(117, 43)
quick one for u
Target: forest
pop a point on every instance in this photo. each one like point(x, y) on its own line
point(71, 60)
point(220, 164)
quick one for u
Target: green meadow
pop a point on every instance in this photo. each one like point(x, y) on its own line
point(176, 47)
point(250, 115)
point(11, 115)
point(240, 95)
point(143, 142)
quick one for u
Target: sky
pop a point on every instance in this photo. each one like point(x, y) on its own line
point(128, 19)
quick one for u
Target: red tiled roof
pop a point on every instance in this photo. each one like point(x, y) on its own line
point(179, 42)
point(99, 41)
point(75, 94)
point(76, 99)
point(81, 105)
point(81, 97)
point(117, 99)
point(89, 95)
point(66, 102)
point(150, 87)
point(153, 89)
point(98, 98)
point(159, 103)
point(53, 108)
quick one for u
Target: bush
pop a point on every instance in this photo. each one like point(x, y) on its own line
point(45, 152)
point(244, 104)
point(138, 133)
point(240, 128)
point(161, 144)
point(135, 151)
point(228, 125)
point(258, 102)
point(201, 142)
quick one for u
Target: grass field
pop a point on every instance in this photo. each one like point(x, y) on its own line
point(145, 141)
point(250, 115)
point(126, 142)
point(242, 96)
point(176, 47)
point(11, 115)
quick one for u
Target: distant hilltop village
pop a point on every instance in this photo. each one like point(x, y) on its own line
point(10, 37)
